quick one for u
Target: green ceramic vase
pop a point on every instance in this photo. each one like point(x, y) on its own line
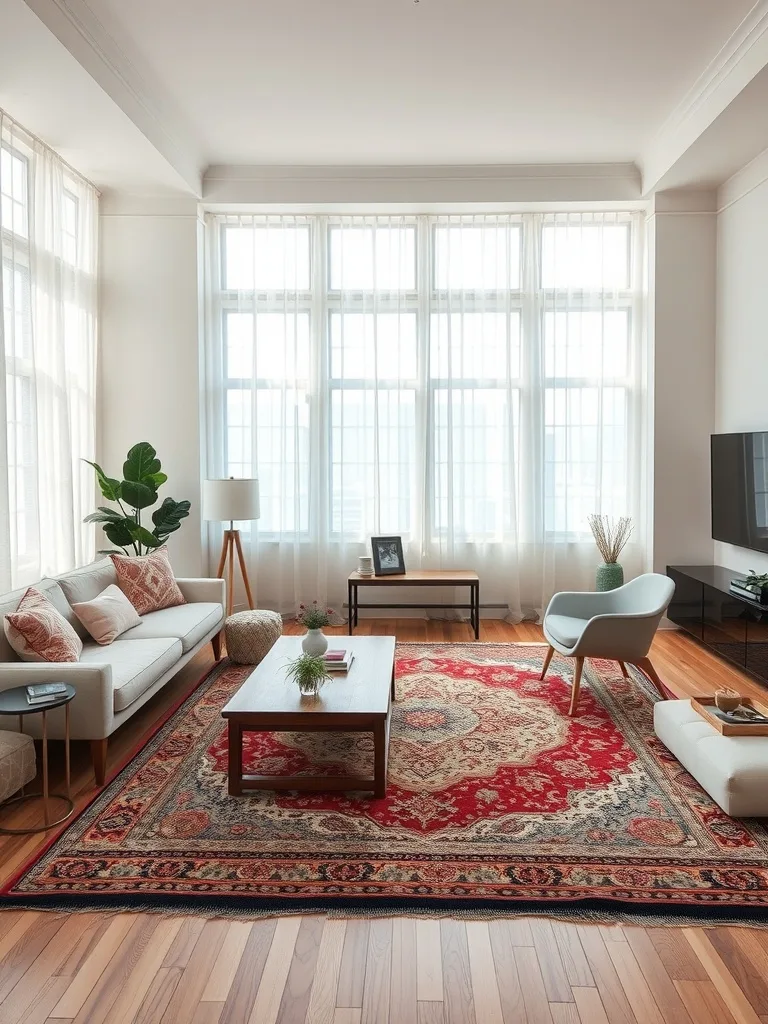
point(609, 575)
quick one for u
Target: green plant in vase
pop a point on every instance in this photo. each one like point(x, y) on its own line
point(757, 583)
point(138, 490)
point(610, 535)
point(309, 672)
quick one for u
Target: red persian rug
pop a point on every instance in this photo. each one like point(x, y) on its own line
point(497, 802)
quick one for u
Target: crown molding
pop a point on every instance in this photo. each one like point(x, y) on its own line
point(737, 62)
point(115, 66)
point(422, 184)
point(744, 181)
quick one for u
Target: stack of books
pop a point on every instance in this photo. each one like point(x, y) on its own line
point(759, 594)
point(365, 566)
point(338, 660)
point(42, 692)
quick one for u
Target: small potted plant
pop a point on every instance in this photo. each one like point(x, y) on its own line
point(757, 584)
point(309, 672)
point(610, 536)
point(314, 618)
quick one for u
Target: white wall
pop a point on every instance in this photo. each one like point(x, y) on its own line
point(682, 261)
point(149, 373)
point(742, 324)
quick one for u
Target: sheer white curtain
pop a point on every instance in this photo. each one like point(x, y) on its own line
point(472, 384)
point(48, 226)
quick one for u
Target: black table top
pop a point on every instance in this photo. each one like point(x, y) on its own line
point(14, 702)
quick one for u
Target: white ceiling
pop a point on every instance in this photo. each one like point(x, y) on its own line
point(437, 82)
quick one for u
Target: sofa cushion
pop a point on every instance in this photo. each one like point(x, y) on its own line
point(17, 762)
point(10, 602)
point(85, 583)
point(148, 581)
point(108, 615)
point(188, 622)
point(136, 664)
point(37, 631)
point(566, 629)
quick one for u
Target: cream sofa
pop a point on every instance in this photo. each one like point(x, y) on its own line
point(114, 681)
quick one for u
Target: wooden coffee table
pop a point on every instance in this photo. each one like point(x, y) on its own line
point(357, 701)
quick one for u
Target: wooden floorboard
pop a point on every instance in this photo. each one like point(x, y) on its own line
point(141, 968)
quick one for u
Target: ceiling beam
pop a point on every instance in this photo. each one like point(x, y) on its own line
point(126, 80)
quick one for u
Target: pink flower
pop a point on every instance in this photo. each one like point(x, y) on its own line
point(329, 611)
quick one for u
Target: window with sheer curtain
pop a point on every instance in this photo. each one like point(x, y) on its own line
point(471, 383)
point(48, 352)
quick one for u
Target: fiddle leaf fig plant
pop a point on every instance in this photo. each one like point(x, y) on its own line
point(142, 478)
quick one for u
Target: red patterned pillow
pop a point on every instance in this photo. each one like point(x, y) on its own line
point(37, 631)
point(148, 581)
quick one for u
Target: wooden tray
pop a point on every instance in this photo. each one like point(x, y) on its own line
point(703, 704)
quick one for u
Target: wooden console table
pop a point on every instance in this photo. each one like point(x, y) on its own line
point(425, 578)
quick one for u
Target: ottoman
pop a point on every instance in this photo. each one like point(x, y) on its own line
point(732, 769)
point(250, 635)
point(17, 762)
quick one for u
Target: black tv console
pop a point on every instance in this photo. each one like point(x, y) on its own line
point(734, 627)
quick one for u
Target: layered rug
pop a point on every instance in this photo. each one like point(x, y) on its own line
point(497, 803)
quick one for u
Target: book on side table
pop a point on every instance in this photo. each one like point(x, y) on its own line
point(39, 693)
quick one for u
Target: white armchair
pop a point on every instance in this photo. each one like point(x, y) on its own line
point(617, 624)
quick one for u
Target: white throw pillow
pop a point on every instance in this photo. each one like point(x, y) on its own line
point(108, 615)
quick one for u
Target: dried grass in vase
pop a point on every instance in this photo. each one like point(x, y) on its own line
point(611, 535)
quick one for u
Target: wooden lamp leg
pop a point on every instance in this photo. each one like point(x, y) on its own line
point(243, 569)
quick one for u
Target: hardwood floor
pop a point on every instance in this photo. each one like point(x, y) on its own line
point(142, 968)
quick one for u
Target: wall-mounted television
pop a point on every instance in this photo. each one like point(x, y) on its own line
point(740, 489)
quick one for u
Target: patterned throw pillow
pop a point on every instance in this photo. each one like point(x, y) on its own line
point(148, 581)
point(37, 631)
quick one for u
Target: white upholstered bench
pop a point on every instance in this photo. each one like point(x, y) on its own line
point(732, 769)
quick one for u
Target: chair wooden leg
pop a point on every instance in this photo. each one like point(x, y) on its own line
point(216, 645)
point(623, 668)
point(99, 758)
point(547, 659)
point(646, 667)
point(576, 686)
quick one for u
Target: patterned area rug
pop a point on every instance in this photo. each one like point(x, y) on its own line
point(497, 802)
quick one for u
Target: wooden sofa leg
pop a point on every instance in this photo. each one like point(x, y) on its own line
point(576, 686)
point(216, 645)
point(646, 667)
point(547, 659)
point(99, 758)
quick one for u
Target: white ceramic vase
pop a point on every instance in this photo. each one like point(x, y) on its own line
point(315, 642)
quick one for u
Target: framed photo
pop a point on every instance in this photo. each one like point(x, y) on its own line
point(387, 556)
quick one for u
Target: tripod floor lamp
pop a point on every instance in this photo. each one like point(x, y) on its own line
point(236, 501)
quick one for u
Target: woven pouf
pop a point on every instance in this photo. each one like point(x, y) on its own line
point(250, 635)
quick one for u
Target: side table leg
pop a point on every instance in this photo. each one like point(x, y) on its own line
point(66, 751)
point(477, 611)
point(380, 759)
point(235, 758)
point(21, 729)
point(350, 610)
point(45, 768)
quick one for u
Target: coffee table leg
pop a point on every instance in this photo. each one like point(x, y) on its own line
point(235, 758)
point(394, 691)
point(380, 759)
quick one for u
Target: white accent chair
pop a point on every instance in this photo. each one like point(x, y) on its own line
point(616, 624)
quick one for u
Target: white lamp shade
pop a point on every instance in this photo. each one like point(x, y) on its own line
point(236, 500)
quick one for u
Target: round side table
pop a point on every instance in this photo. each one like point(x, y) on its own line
point(14, 702)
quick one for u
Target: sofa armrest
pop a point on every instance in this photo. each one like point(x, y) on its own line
point(92, 710)
point(213, 590)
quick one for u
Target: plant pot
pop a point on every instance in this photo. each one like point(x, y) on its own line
point(311, 687)
point(609, 576)
point(315, 642)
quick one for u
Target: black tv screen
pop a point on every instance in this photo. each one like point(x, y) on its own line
point(740, 489)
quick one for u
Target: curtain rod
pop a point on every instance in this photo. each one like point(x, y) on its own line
point(36, 138)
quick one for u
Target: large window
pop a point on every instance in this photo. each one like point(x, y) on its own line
point(47, 342)
point(474, 378)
